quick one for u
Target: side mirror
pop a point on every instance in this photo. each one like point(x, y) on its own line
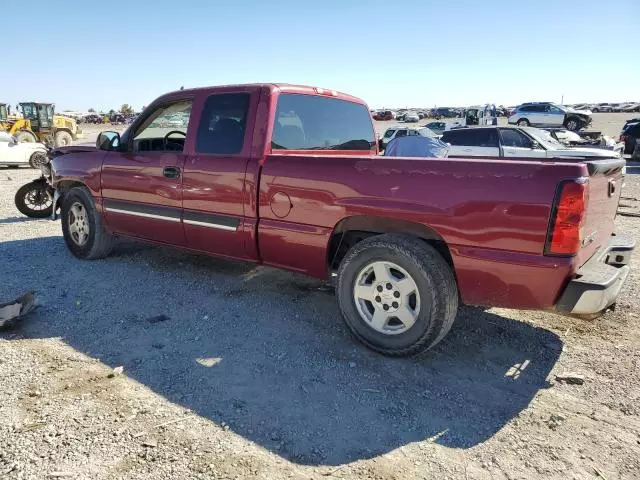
point(108, 141)
point(534, 145)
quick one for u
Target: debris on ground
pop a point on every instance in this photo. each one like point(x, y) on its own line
point(571, 378)
point(11, 312)
point(116, 371)
point(158, 318)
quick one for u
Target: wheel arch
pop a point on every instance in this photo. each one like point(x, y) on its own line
point(352, 230)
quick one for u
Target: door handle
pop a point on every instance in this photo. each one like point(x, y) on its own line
point(171, 172)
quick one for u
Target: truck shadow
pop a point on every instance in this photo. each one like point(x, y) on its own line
point(266, 352)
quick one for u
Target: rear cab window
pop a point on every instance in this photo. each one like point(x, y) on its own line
point(311, 122)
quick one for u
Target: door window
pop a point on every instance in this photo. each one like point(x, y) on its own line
point(513, 138)
point(223, 124)
point(165, 129)
point(401, 133)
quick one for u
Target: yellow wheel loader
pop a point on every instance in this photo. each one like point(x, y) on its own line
point(40, 124)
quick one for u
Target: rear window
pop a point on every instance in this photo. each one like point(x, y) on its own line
point(308, 122)
point(471, 137)
point(389, 133)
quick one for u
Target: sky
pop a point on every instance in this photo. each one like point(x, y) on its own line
point(392, 54)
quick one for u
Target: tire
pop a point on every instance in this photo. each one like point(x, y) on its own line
point(62, 139)
point(595, 110)
point(78, 210)
point(432, 306)
point(26, 136)
point(34, 194)
point(572, 123)
point(37, 158)
point(523, 122)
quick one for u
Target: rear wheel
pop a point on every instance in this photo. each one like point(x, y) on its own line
point(397, 294)
point(26, 136)
point(523, 122)
point(62, 139)
point(33, 200)
point(82, 226)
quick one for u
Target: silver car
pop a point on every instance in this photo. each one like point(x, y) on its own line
point(547, 114)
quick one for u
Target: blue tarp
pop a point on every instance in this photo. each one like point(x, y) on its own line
point(417, 146)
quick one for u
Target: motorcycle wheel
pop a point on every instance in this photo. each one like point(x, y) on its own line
point(33, 201)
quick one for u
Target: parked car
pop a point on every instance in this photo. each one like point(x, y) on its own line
point(632, 107)
point(300, 186)
point(514, 142)
point(547, 114)
point(445, 112)
point(629, 135)
point(602, 108)
point(384, 115)
point(398, 131)
point(411, 117)
point(16, 154)
point(437, 127)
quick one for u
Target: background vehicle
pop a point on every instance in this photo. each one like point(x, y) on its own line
point(547, 114)
point(445, 112)
point(4, 117)
point(40, 124)
point(436, 127)
point(514, 142)
point(398, 131)
point(478, 115)
point(290, 176)
point(16, 154)
point(602, 107)
point(411, 117)
point(629, 135)
point(384, 115)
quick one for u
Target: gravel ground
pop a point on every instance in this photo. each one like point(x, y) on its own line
point(232, 371)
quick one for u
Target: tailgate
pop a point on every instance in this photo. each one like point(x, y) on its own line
point(605, 185)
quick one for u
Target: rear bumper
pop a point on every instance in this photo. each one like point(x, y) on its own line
point(598, 282)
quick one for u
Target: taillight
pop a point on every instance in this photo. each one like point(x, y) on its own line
point(565, 230)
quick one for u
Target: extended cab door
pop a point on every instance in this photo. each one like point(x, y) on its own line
point(214, 191)
point(142, 179)
point(516, 144)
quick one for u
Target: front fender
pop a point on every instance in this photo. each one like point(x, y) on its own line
point(78, 167)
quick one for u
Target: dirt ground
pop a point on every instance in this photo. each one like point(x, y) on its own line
point(236, 372)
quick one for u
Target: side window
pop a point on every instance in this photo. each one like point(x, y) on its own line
point(413, 132)
point(165, 129)
point(513, 138)
point(313, 122)
point(401, 133)
point(525, 109)
point(485, 137)
point(555, 110)
point(223, 124)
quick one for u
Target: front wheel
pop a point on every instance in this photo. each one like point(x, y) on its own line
point(26, 136)
point(572, 124)
point(33, 200)
point(397, 294)
point(82, 226)
point(62, 139)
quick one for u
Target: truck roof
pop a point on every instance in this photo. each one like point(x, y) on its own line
point(280, 87)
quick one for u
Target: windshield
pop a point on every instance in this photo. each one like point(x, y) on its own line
point(3, 112)
point(544, 138)
point(426, 132)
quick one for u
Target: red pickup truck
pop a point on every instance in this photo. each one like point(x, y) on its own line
point(290, 176)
